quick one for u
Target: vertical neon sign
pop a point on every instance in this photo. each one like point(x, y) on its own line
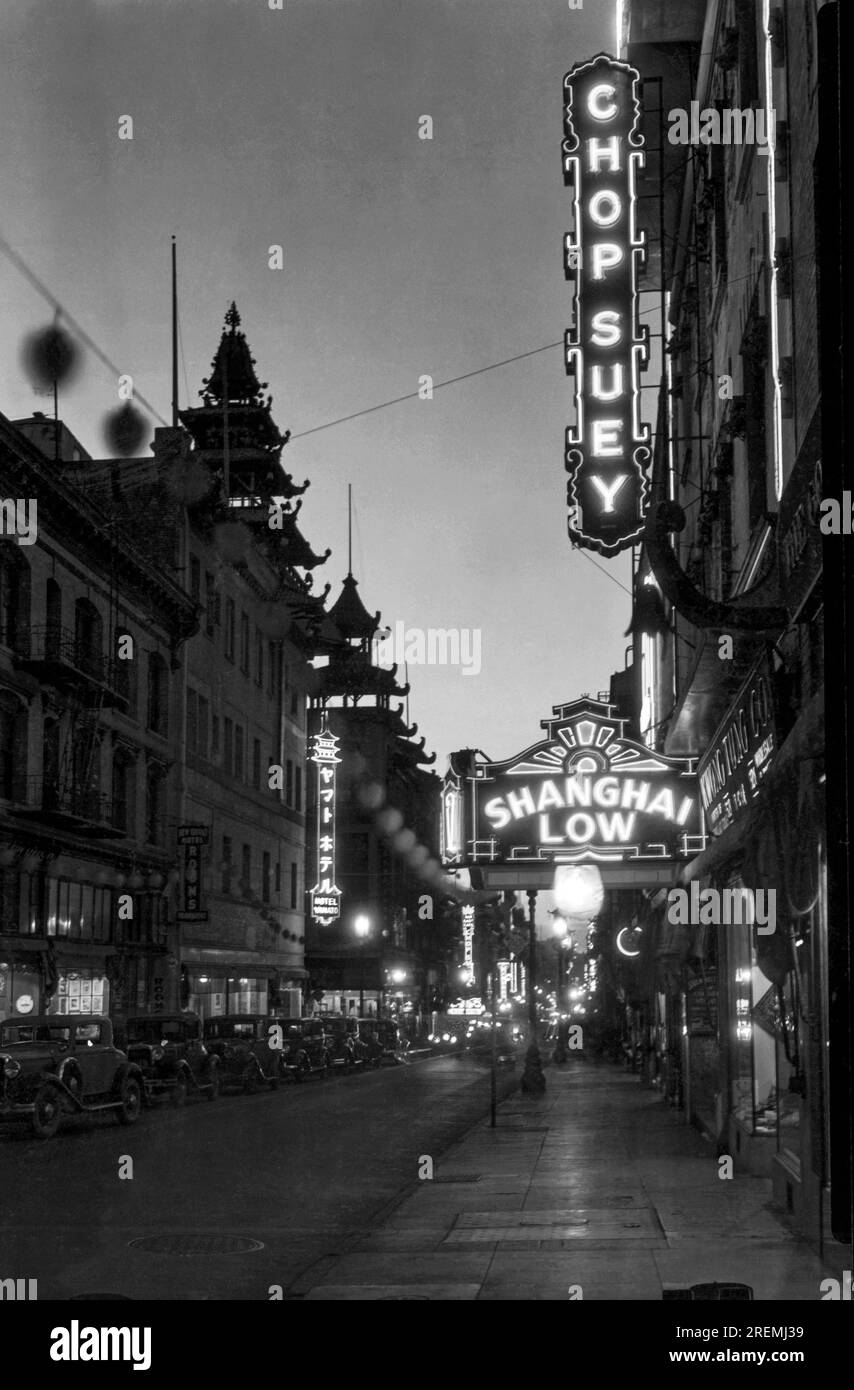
point(607, 450)
point(325, 896)
point(468, 943)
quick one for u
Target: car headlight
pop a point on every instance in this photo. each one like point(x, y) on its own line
point(157, 1054)
point(12, 1067)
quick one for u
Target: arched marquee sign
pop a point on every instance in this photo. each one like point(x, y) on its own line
point(607, 450)
point(586, 794)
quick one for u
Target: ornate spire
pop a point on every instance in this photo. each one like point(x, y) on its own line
point(233, 369)
point(350, 615)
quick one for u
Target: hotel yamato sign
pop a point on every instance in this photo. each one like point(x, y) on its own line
point(607, 450)
point(586, 794)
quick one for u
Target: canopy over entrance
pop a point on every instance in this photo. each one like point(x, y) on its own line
point(585, 794)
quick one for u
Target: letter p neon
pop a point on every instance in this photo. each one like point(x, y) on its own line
point(604, 255)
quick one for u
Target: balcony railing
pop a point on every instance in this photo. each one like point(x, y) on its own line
point(71, 806)
point(58, 656)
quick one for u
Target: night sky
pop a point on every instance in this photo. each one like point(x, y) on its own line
point(402, 257)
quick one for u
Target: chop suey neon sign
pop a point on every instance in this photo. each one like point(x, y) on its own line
point(607, 450)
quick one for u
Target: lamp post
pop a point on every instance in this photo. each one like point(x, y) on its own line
point(362, 928)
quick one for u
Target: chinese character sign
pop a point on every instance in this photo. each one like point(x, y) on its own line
point(325, 895)
point(607, 450)
point(468, 944)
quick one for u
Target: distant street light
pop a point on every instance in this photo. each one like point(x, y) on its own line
point(362, 928)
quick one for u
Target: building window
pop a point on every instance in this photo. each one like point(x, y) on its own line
point(192, 721)
point(13, 750)
point(259, 658)
point(124, 667)
point(293, 885)
point(195, 578)
point(289, 783)
point(748, 67)
point(229, 629)
point(278, 878)
point(256, 764)
point(121, 792)
point(226, 863)
point(10, 881)
point(247, 869)
point(155, 827)
point(158, 694)
point(298, 794)
point(265, 877)
point(210, 604)
point(244, 643)
point(80, 911)
point(238, 751)
point(271, 668)
point(10, 597)
point(229, 745)
point(215, 736)
point(204, 716)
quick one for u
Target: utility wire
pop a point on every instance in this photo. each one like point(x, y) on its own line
point(412, 395)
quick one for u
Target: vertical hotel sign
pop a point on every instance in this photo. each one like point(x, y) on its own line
point(607, 450)
point(325, 896)
point(192, 838)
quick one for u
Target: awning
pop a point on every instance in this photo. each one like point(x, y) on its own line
point(237, 962)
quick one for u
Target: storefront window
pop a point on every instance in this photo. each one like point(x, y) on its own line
point(211, 996)
point(754, 1076)
point(81, 991)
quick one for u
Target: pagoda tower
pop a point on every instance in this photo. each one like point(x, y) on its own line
point(394, 968)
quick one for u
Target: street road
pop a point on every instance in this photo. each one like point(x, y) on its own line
point(304, 1171)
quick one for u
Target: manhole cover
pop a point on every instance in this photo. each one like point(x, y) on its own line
point(189, 1245)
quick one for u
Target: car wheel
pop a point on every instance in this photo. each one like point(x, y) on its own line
point(302, 1069)
point(130, 1102)
point(180, 1089)
point(213, 1083)
point(47, 1113)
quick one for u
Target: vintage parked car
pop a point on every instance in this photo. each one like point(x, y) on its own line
point(242, 1044)
point(57, 1065)
point(384, 1041)
point(347, 1045)
point(306, 1047)
point(169, 1050)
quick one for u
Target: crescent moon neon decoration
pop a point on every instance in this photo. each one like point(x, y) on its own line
point(620, 947)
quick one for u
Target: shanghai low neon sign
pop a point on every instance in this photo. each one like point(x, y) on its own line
point(325, 896)
point(607, 450)
point(587, 793)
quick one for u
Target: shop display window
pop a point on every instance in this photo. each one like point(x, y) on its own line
point(81, 991)
point(214, 995)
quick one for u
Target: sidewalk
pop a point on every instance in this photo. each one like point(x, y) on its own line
point(596, 1184)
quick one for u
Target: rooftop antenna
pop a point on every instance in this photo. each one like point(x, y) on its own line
point(349, 530)
point(174, 337)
